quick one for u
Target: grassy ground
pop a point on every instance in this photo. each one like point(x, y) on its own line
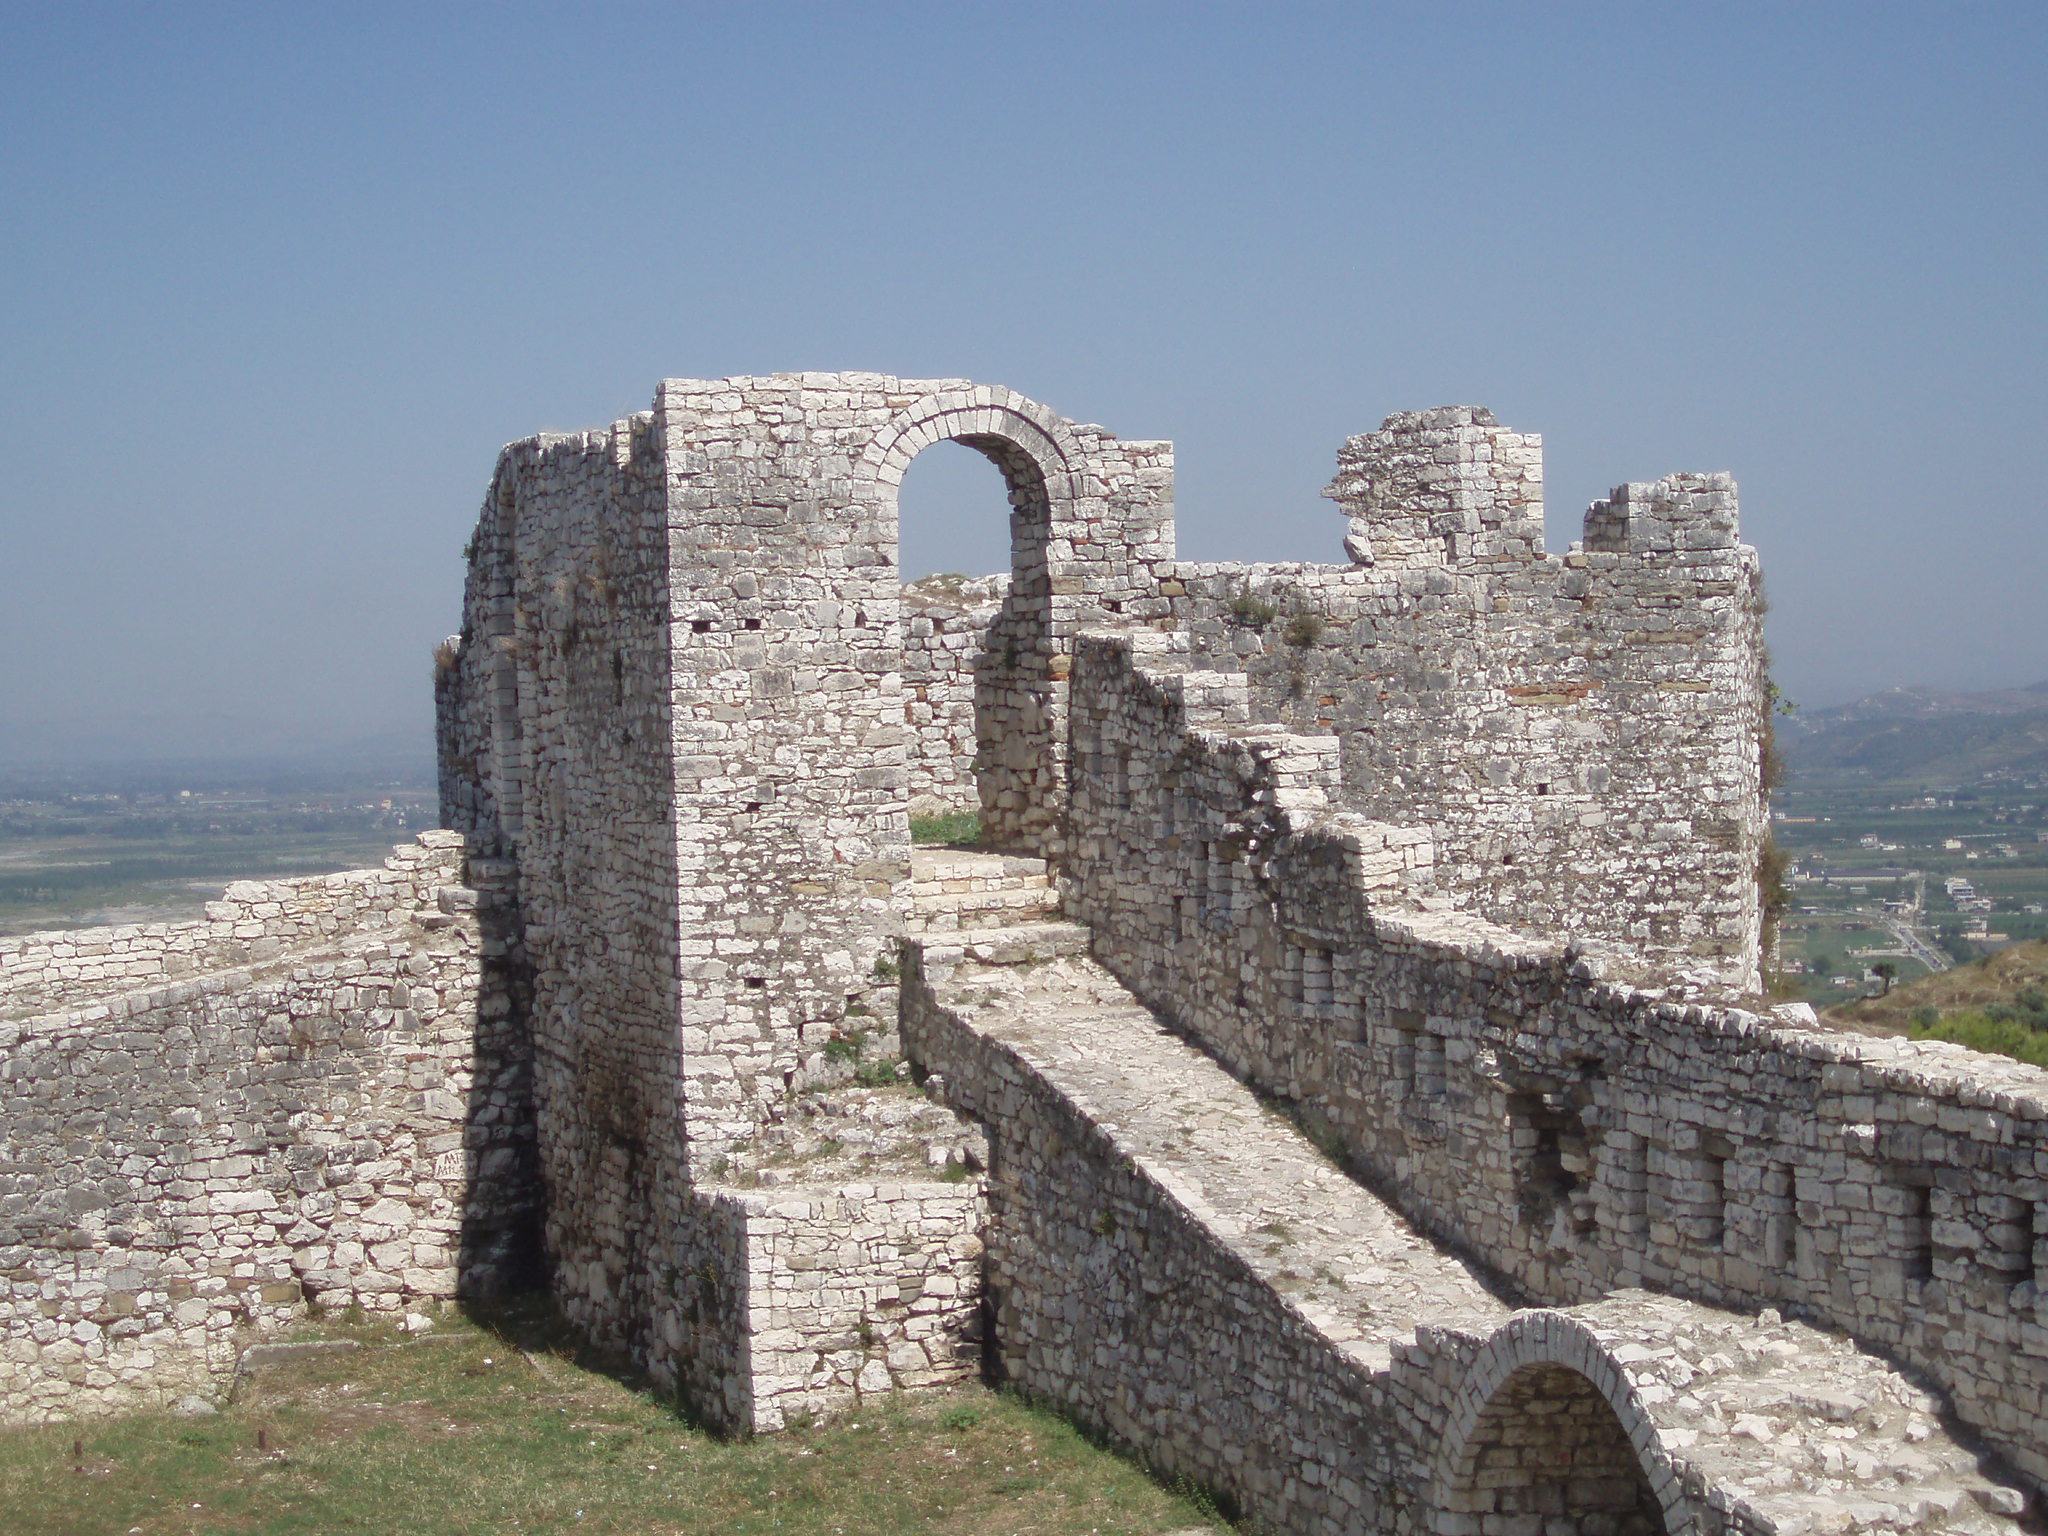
point(1997, 978)
point(502, 1430)
point(946, 829)
point(1998, 1004)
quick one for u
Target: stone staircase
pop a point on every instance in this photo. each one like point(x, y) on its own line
point(1808, 1433)
point(957, 891)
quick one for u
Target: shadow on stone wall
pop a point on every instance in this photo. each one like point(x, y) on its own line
point(502, 1252)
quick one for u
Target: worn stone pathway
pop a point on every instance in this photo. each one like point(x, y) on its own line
point(1800, 1427)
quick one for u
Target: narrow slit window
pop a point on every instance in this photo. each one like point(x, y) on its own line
point(1714, 1218)
point(1781, 1215)
point(1917, 1232)
point(2024, 1269)
point(1429, 1064)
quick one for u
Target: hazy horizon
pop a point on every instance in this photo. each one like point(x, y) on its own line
point(282, 282)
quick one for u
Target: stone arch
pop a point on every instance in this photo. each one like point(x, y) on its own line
point(1548, 1428)
point(1019, 679)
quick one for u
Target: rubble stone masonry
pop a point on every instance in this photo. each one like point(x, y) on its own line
point(1339, 1076)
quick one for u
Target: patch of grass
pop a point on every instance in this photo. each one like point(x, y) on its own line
point(947, 829)
point(1304, 630)
point(1252, 611)
point(2006, 1036)
point(845, 1047)
point(879, 1073)
point(504, 1431)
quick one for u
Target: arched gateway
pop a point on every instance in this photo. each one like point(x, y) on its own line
point(1083, 507)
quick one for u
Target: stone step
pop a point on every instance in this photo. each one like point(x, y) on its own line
point(1018, 944)
point(965, 910)
point(949, 871)
point(954, 891)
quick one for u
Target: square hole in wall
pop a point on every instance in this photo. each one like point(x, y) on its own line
point(700, 626)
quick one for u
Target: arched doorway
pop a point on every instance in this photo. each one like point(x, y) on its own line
point(1548, 1434)
point(955, 515)
point(1014, 668)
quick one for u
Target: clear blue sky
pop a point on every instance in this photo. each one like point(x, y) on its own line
point(276, 281)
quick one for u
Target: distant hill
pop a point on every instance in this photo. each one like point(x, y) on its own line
point(1922, 733)
point(1997, 978)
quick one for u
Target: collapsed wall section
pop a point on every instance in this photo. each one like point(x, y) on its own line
point(185, 1167)
point(1577, 1134)
point(1581, 734)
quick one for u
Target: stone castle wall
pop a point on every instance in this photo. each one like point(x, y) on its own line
point(678, 709)
point(1175, 1264)
point(1581, 734)
point(253, 923)
point(555, 716)
point(1451, 850)
point(190, 1165)
point(1578, 1134)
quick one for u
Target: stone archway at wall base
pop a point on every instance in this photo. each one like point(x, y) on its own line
point(1548, 1427)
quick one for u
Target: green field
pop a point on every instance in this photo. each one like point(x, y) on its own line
point(501, 1428)
point(1856, 844)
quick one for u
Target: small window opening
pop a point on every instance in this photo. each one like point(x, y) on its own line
point(1309, 976)
point(700, 626)
point(1713, 1215)
point(1626, 1173)
point(1219, 885)
point(1429, 1064)
point(1418, 1056)
point(1542, 789)
point(757, 981)
point(2022, 1268)
point(753, 805)
point(1917, 1232)
point(752, 623)
point(1781, 1215)
point(1552, 1155)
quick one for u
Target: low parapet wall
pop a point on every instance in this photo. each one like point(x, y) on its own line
point(254, 922)
point(849, 1292)
point(189, 1165)
point(1575, 1133)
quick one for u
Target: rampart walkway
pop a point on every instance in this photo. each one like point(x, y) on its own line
point(1212, 1290)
